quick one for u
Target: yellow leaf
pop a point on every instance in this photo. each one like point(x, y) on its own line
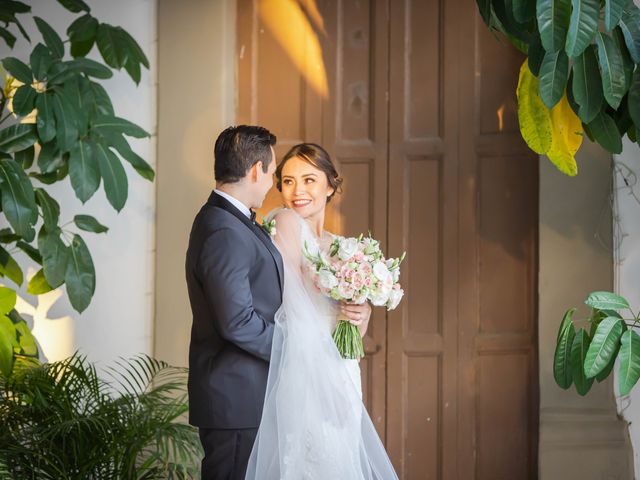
point(567, 137)
point(534, 117)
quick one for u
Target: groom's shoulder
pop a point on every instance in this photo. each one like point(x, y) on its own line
point(211, 219)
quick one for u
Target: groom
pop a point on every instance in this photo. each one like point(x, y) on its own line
point(235, 281)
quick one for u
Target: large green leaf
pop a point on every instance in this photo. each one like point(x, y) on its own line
point(112, 45)
point(606, 301)
point(102, 100)
point(66, 128)
point(603, 345)
point(553, 22)
point(45, 120)
point(8, 299)
point(18, 69)
point(114, 177)
point(41, 60)
point(578, 354)
point(25, 157)
point(627, 62)
point(50, 209)
point(26, 340)
point(31, 252)
point(109, 124)
point(562, 372)
point(612, 66)
point(137, 162)
point(137, 55)
point(613, 12)
point(630, 26)
point(75, 6)
point(7, 339)
point(18, 199)
point(8, 37)
point(49, 158)
point(23, 100)
point(17, 137)
point(54, 256)
point(629, 361)
point(536, 55)
point(89, 224)
point(50, 37)
point(587, 85)
point(82, 34)
point(38, 284)
point(633, 98)
point(9, 267)
point(84, 170)
point(80, 276)
point(553, 77)
point(582, 25)
point(523, 10)
point(91, 68)
point(605, 132)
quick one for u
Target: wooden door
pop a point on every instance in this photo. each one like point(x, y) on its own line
point(419, 114)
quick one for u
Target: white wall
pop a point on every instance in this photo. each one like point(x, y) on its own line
point(626, 230)
point(119, 321)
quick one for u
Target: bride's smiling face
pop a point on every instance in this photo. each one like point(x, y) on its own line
point(305, 188)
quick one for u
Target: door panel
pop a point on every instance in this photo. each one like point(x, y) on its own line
point(420, 117)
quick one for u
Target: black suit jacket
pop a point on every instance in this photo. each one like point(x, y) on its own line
point(235, 280)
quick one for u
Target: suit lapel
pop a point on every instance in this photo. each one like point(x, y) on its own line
point(218, 201)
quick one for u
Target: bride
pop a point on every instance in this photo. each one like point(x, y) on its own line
point(314, 424)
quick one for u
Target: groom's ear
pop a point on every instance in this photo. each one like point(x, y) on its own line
point(253, 171)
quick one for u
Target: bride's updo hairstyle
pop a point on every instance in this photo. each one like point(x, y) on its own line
point(318, 157)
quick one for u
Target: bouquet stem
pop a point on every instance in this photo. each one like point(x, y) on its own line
point(348, 340)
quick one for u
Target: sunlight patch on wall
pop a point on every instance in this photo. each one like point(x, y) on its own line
point(290, 22)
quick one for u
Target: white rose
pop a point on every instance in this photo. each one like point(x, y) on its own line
point(348, 248)
point(379, 297)
point(381, 271)
point(327, 279)
point(312, 248)
point(394, 298)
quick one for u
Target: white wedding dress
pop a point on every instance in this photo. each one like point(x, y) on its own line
point(314, 424)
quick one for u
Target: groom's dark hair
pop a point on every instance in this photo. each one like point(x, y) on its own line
point(238, 149)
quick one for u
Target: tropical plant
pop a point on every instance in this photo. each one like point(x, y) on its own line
point(62, 421)
point(57, 121)
point(590, 354)
point(580, 73)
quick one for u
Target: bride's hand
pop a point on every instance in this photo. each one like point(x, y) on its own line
point(357, 315)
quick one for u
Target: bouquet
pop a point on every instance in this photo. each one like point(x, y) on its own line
point(355, 270)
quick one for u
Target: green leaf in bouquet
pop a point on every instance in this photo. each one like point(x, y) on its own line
point(603, 345)
point(629, 361)
point(578, 354)
point(80, 276)
point(562, 371)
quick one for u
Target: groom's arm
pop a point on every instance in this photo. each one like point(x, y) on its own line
point(224, 271)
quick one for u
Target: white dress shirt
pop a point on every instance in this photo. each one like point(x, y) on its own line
point(235, 202)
